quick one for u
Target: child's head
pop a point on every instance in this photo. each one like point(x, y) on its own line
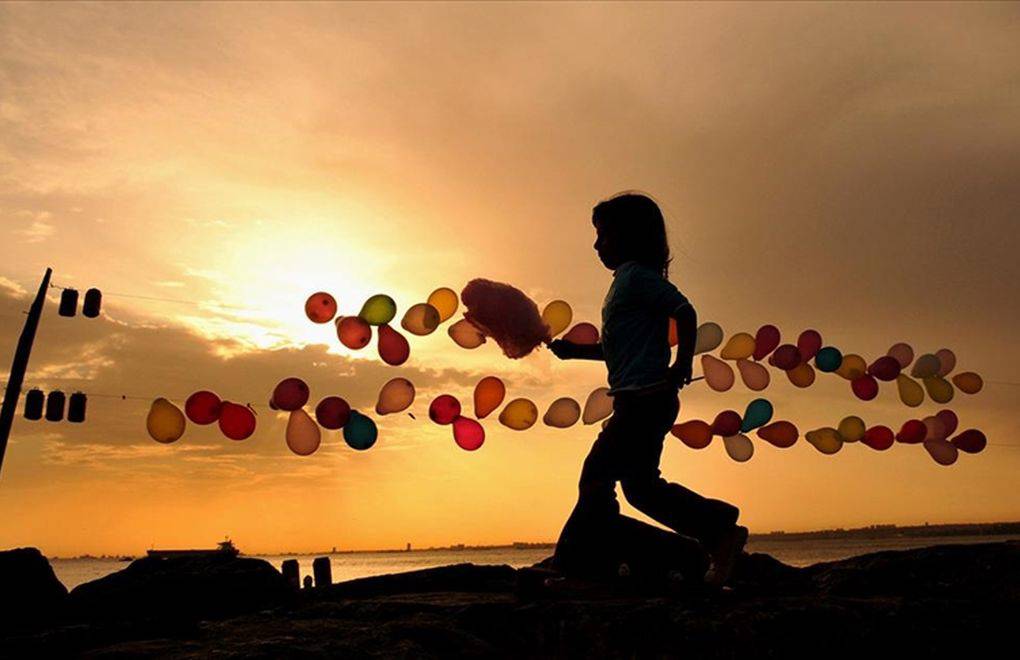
point(629, 227)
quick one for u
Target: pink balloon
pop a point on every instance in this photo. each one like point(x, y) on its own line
point(467, 433)
point(765, 341)
point(583, 333)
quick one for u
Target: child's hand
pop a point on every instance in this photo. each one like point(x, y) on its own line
point(680, 375)
point(563, 349)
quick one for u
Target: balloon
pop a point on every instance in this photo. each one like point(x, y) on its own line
point(786, 357)
point(519, 415)
point(421, 319)
point(597, 406)
point(444, 409)
point(808, 344)
point(674, 334)
point(935, 428)
point(802, 375)
point(583, 333)
point(739, 447)
point(237, 422)
point(912, 432)
point(971, 441)
point(851, 429)
point(718, 374)
point(562, 413)
point(911, 394)
point(865, 387)
point(968, 382)
point(202, 407)
point(393, 346)
point(489, 394)
point(885, 368)
point(445, 301)
point(726, 423)
point(303, 434)
point(949, 420)
point(758, 413)
point(332, 412)
point(765, 341)
point(353, 332)
point(290, 394)
point(396, 395)
point(468, 434)
point(320, 307)
point(902, 353)
point(852, 367)
point(378, 309)
point(557, 315)
point(272, 404)
point(947, 361)
point(466, 335)
point(825, 440)
point(709, 337)
point(781, 434)
point(755, 376)
point(739, 347)
point(828, 359)
point(696, 434)
point(165, 422)
point(939, 389)
point(926, 365)
point(360, 431)
point(941, 451)
point(878, 437)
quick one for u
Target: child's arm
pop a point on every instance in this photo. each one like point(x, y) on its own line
point(687, 331)
point(568, 350)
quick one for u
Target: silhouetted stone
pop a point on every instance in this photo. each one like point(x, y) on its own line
point(30, 593)
point(456, 577)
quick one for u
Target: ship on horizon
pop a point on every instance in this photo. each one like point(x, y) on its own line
point(224, 548)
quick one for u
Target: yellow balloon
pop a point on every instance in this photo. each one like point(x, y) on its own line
point(710, 335)
point(519, 415)
point(466, 335)
point(853, 366)
point(939, 389)
point(739, 447)
point(911, 393)
point(562, 413)
point(421, 319)
point(445, 301)
point(165, 422)
point(557, 315)
point(825, 440)
point(802, 375)
point(739, 347)
point(395, 396)
point(968, 382)
point(851, 429)
point(941, 451)
point(718, 374)
point(754, 375)
point(598, 406)
point(303, 434)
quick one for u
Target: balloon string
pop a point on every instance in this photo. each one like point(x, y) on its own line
point(180, 301)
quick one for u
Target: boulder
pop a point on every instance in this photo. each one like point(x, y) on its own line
point(30, 592)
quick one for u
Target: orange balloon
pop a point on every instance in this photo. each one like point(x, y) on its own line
point(465, 334)
point(674, 335)
point(489, 394)
point(781, 434)
point(353, 332)
point(802, 375)
point(696, 433)
point(320, 307)
point(968, 382)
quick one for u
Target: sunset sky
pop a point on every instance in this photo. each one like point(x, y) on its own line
point(851, 168)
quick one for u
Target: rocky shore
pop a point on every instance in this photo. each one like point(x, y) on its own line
point(942, 601)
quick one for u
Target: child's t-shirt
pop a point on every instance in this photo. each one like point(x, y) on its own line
point(635, 327)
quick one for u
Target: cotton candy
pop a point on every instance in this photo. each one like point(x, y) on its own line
point(507, 315)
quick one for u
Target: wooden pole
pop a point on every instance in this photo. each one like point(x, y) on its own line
point(20, 364)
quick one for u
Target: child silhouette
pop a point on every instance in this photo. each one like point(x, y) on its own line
point(631, 241)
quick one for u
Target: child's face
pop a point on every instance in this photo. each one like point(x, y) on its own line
point(607, 245)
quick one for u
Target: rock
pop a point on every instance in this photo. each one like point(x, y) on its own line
point(30, 592)
point(465, 578)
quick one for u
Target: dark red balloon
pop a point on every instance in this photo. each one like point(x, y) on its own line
point(865, 387)
point(393, 347)
point(726, 423)
point(950, 420)
point(203, 407)
point(236, 421)
point(885, 368)
point(808, 344)
point(765, 341)
point(971, 441)
point(290, 394)
point(879, 437)
point(913, 432)
point(786, 357)
point(444, 409)
point(332, 413)
point(467, 433)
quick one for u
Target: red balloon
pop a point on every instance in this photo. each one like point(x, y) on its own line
point(467, 433)
point(694, 433)
point(203, 407)
point(320, 307)
point(726, 423)
point(236, 421)
point(583, 333)
point(879, 437)
point(913, 432)
point(950, 419)
point(765, 341)
point(782, 434)
point(971, 441)
point(865, 387)
point(290, 394)
point(808, 344)
point(353, 332)
point(786, 357)
point(393, 347)
point(444, 409)
point(332, 413)
point(885, 368)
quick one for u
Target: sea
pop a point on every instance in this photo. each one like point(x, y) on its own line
point(352, 565)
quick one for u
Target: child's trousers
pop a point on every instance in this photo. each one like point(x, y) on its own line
point(628, 450)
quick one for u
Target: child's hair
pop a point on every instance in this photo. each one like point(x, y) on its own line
point(643, 234)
